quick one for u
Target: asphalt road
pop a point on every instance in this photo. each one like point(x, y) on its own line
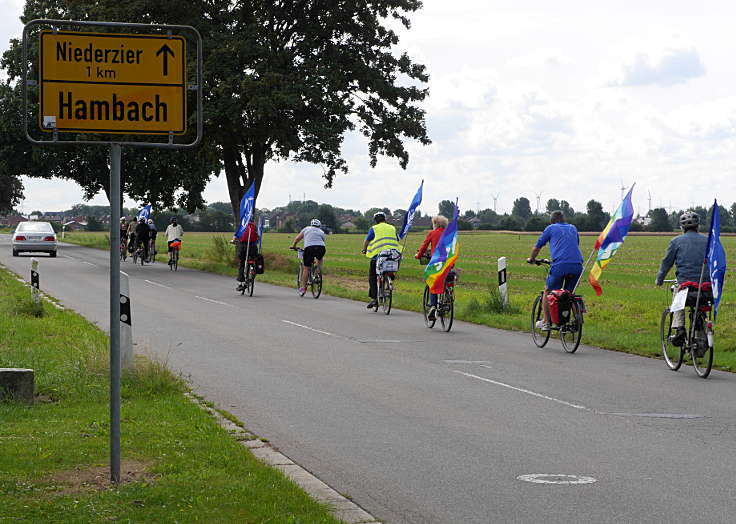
point(419, 426)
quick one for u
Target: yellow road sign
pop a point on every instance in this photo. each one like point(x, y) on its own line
point(112, 83)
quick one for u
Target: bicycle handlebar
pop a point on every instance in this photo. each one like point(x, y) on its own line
point(541, 261)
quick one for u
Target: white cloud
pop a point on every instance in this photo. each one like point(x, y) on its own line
point(661, 64)
point(545, 57)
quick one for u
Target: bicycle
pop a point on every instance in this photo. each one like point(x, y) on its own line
point(699, 338)
point(250, 278)
point(152, 251)
point(387, 264)
point(314, 278)
point(123, 249)
point(445, 308)
point(571, 321)
point(174, 247)
point(138, 253)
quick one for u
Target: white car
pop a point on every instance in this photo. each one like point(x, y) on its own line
point(34, 237)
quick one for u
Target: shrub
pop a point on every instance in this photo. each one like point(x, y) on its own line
point(491, 304)
point(221, 252)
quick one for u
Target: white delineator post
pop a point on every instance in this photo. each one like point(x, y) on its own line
point(502, 287)
point(126, 325)
point(35, 286)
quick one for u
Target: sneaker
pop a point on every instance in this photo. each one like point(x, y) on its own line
point(678, 339)
point(432, 315)
point(372, 304)
point(302, 290)
point(542, 325)
point(241, 286)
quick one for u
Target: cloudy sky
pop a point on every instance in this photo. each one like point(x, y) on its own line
point(566, 99)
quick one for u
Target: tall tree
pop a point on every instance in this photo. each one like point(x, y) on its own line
point(283, 80)
point(553, 205)
point(659, 220)
point(597, 218)
point(522, 208)
point(11, 191)
point(566, 209)
point(447, 209)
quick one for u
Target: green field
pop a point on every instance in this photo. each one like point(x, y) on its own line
point(625, 317)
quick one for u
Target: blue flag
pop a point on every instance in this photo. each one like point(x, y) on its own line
point(409, 217)
point(145, 212)
point(716, 257)
point(246, 210)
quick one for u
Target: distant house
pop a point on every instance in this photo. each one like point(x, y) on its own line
point(75, 225)
point(35, 216)
point(11, 220)
point(346, 226)
point(54, 217)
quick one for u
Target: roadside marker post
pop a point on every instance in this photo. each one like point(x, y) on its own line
point(35, 284)
point(502, 286)
point(127, 88)
point(126, 323)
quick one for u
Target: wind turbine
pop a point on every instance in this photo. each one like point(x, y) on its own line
point(539, 197)
point(495, 201)
point(650, 200)
point(623, 188)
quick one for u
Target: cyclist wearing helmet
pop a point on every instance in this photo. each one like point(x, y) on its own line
point(381, 236)
point(174, 232)
point(314, 248)
point(686, 252)
point(152, 234)
point(141, 236)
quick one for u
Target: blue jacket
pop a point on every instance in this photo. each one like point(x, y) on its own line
point(687, 252)
point(564, 243)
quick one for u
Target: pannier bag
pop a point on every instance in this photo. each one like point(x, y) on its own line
point(260, 265)
point(176, 245)
point(388, 261)
point(560, 303)
point(706, 294)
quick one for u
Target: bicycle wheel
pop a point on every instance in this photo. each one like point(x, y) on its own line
point(317, 282)
point(135, 257)
point(379, 291)
point(388, 292)
point(701, 349)
point(673, 355)
point(446, 309)
point(251, 281)
point(572, 332)
point(426, 306)
point(176, 260)
point(539, 337)
point(123, 252)
point(152, 252)
point(299, 271)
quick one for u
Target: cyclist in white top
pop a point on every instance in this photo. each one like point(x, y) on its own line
point(314, 248)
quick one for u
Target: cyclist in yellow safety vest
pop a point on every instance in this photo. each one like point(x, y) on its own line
point(381, 236)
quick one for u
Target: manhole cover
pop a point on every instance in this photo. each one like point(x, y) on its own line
point(549, 478)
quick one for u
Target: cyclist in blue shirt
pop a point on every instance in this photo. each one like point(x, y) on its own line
point(567, 259)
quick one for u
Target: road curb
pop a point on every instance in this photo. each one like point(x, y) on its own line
point(341, 507)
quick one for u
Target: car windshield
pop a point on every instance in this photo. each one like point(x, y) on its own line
point(35, 227)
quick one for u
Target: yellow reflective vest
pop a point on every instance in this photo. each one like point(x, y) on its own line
point(384, 237)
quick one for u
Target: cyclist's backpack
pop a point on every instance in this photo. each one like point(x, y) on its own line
point(560, 303)
point(260, 265)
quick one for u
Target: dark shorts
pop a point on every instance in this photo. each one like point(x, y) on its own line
point(312, 252)
point(564, 276)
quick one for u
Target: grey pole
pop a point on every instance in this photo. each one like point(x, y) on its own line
point(115, 313)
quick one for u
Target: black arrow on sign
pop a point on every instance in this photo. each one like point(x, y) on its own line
point(166, 50)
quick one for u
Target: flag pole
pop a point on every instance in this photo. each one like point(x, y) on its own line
point(697, 298)
point(585, 267)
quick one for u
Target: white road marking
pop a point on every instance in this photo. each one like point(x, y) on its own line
point(467, 361)
point(522, 390)
point(156, 284)
point(88, 263)
point(213, 301)
point(327, 333)
point(551, 478)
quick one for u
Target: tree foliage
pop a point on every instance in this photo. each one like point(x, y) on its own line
point(447, 209)
point(283, 80)
point(522, 208)
point(659, 221)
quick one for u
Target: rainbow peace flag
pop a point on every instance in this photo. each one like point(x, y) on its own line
point(610, 239)
point(444, 258)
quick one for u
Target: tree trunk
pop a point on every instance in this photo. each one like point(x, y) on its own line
point(240, 177)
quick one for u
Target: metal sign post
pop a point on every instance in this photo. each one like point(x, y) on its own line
point(111, 84)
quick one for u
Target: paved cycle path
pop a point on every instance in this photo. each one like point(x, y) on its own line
point(419, 426)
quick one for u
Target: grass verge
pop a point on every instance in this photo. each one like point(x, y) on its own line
point(180, 466)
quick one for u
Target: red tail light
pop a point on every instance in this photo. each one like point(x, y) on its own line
point(49, 239)
point(20, 237)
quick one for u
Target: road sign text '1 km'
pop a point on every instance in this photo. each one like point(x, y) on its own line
point(112, 83)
